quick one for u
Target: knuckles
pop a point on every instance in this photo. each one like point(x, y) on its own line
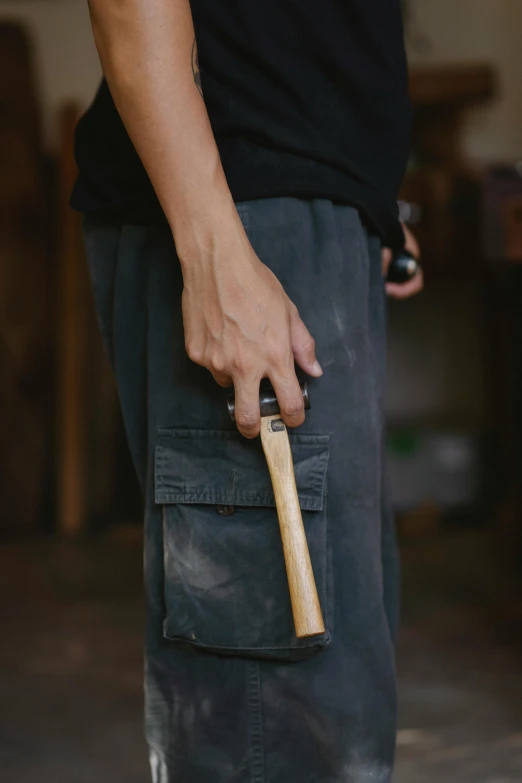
point(195, 354)
point(218, 365)
point(279, 358)
point(248, 423)
point(293, 407)
point(242, 365)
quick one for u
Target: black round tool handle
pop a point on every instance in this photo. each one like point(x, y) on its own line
point(268, 403)
point(402, 268)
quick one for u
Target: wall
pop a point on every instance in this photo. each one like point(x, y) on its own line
point(459, 30)
point(435, 368)
point(471, 30)
point(66, 59)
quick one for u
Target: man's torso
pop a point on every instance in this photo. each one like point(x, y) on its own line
point(305, 99)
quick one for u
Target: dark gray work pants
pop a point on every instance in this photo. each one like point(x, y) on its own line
point(231, 695)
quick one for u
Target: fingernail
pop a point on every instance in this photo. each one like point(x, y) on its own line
point(316, 368)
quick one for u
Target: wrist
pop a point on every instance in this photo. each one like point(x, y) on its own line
point(210, 234)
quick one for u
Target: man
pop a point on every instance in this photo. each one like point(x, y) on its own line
point(237, 203)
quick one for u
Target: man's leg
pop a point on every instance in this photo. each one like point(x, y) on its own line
point(390, 565)
point(244, 718)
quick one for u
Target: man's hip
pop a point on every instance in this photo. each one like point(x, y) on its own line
point(231, 694)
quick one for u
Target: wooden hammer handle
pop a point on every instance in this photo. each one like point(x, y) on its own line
point(306, 609)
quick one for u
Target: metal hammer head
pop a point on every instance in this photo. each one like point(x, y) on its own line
point(267, 401)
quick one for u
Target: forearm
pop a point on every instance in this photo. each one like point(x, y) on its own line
point(146, 50)
point(238, 321)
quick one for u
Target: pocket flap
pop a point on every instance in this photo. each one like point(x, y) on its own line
point(222, 467)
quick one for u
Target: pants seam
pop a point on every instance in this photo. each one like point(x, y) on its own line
point(257, 753)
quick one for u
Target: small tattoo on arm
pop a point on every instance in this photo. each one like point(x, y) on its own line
point(195, 68)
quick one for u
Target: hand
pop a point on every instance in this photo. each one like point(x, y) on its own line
point(240, 325)
point(413, 286)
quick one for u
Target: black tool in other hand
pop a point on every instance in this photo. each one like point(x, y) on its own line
point(403, 267)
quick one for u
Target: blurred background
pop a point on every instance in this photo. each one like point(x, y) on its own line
point(70, 528)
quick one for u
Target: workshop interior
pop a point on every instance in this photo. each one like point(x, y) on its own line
point(71, 604)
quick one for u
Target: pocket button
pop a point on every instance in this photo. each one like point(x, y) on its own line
point(225, 511)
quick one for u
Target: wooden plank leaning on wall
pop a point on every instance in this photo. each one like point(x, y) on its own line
point(71, 440)
point(25, 291)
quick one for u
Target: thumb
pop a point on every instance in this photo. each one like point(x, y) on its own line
point(303, 346)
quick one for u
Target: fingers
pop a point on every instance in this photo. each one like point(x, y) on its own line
point(247, 410)
point(290, 398)
point(410, 243)
point(246, 392)
point(413, 286)
point(405, 290)
point(284, 382)
point(303, 346)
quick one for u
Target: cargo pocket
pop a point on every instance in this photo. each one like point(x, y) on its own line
point(226, 588)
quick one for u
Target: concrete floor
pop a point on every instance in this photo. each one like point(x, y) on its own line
point(70, 663)
point(460, 663)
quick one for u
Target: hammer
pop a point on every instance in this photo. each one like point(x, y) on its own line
point(306, 609)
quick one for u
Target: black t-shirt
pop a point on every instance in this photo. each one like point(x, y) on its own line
point(306, 98)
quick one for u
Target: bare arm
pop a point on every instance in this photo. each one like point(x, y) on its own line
point(146, 49)
point(239, 323)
